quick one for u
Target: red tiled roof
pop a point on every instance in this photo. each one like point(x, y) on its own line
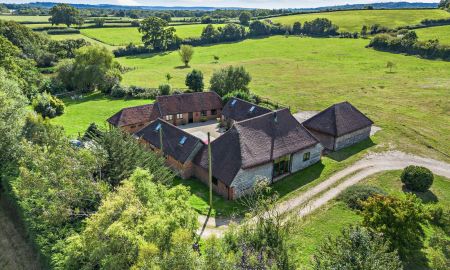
point(188, 102)
point(132, 115)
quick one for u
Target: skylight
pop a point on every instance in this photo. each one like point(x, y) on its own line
point(158, 127)
point(183, 140)
point(252, 109)
point(233, 102)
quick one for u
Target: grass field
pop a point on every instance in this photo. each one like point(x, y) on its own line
point(94, 108)
point(77, 36)
point(17, 18)
point(123, 36)
point(410, 104)
point(439, 32)
point(331, 219)
point(354, 20)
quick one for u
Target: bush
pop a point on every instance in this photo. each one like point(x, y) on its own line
point(354, 195)
point(247, 96)
point(118, 91)
point(230, 79)
point(194, 80)
point(63, 31)
point(417, 178)
point(48, 105)
point(164, 89)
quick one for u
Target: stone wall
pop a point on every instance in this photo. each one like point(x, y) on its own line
point(245, 179)
point(297, 158)
point(352, 138)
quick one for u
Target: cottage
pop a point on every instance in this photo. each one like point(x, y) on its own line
point(132, 119)
point(179, 147)
point(238, 110)
point(269, 146)
point(189, 107)
point(339, 126)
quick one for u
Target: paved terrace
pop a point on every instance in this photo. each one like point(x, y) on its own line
point(201, 129)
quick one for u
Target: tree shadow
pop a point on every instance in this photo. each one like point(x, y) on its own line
point(426, 197)
point(147, 55)
point(95, 96)
point(298, 179)
point(182, 67)
point(390, 72)
point(347, 152)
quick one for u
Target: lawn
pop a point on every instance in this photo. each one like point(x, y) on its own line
point(123, 36)
point(18, 18)
point(439, 32)
point(410, 104)
point(93, 108)
point(354, 20)
point(77, 36)
point(331, 219)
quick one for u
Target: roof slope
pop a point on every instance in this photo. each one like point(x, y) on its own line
point(256, 141)
point(189, 102)
point(132, 115)
point(239, 110)
point(338, 120)
point(177, 143)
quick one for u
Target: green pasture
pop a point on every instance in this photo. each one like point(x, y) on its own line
point(93, 108)
point(77, 36)
point(18, 18)
point(354, 20)
point(410, 104)
point(124, 36)
point(442, 33)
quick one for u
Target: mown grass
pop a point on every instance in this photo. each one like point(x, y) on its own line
point(124, 36)
point(88, 39)
point(331, 219)
point(93, 108)
point(442, 33)
point(410, 104)
point(354, 20)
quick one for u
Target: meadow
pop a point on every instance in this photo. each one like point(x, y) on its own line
point(442, 33)
point(335, 216)
point(19, 18)
point(353, 20)
point(410, 103)
point(124, 36)
point(78, 36)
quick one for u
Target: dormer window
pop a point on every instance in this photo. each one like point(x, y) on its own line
point(183, 140)
point(158, 127)
point(251, 109)
point(233, 102)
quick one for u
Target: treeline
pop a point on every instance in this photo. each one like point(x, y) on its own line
point(409, 43)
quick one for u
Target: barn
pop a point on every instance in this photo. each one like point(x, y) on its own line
point(339, 126)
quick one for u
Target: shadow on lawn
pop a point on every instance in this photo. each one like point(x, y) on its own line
point(426, 197)
point(96, 96)
point(345, 153)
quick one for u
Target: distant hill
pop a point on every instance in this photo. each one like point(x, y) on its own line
point(389, 5)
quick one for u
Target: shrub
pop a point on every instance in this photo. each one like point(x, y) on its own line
point(63, 31)
point(194, 80)
point(48, 105)
point(164, 89)
point(118, 91)
point(247, 96)
point(230, 79)
point(354, 195)
point(417, 178)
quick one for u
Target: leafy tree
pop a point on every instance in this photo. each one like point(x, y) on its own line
point(64, 14)
point(194, 80)
point(168, 78)
point(364, 31)
point(147, 226)
point(92, 132)
point(230, 79)
point(444, 4)
point(215, 256)
point(390, 65)
point(186, 52)
point(320, 27)
point(99, 22)
point(164, 89)
point(417, 178)
point(356, 248)
point(156, 34)
point(216, 58)
point(93, 68)
point(66, 48)
point(232, 32)
point(123, 154)
point(259, 28)
point(48, 105)
point(3, 9)
point(210, 34)
point(12, 114)
point(399, 220)
point(206, 20)
point(245, 18)
point(297, 28)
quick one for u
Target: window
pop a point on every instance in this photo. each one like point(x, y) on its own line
point(179, 116)
point(281, 166)
point(306, 156)
point(252, 109)
point(183, 140)
point(213, 112)
point(158, 127)
point(169, 117)
point(233, 102)
point(204, 113)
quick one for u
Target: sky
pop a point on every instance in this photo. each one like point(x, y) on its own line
point(224, 3)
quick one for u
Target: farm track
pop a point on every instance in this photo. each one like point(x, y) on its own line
point(327, 190)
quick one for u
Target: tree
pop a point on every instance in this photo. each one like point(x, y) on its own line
point(12, 118)
point(168, 78)
point(259, 28)
point(390, 65)
point(245, 17)
point(444, 4)
point(48, 105)
point(156, 34)
point(216, 58)
point(356, 248)
point(99, 22)
point(145, 224)
point(297, 28)
point(206, 20)
point(64, 14)
point(194, 80)
point(210, 34)
point(364, 31)
point(320, 27)
point(232, 32)
point(93, 68)
point(230, 79)
point(417, 178)
point(399, 220)
point(186, 52)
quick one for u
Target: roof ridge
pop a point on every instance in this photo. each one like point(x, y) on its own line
point(260, 116)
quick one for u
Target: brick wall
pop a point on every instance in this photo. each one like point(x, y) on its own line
point(197, 117)
point(134, 128)
point(221, 189)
